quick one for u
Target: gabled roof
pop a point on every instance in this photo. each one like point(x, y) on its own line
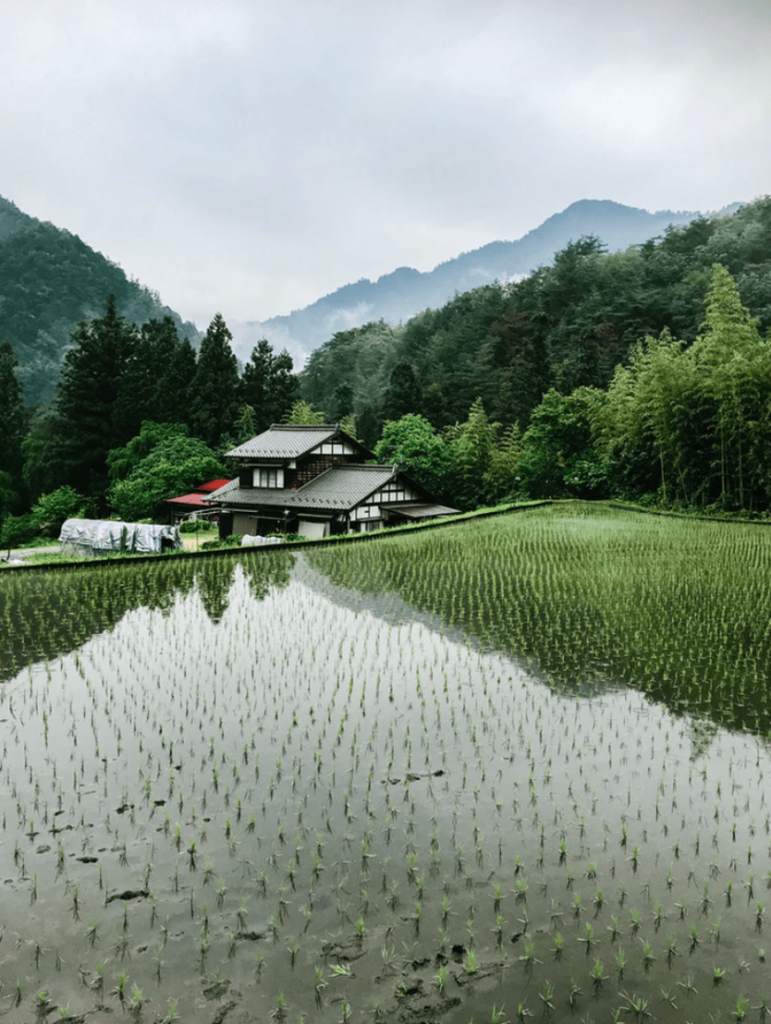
point(341, 487)
point(200, 495)
point(284, 441)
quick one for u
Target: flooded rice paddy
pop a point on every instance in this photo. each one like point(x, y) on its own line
point(506, 769)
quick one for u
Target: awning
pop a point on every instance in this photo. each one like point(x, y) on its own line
point(418, 511)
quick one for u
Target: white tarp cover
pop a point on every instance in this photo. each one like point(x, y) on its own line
point(313, 530)
point(94, 536)
point(249, 541)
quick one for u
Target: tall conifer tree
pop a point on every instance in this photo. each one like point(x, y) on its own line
point(214, 402)
point(268, 386)
point(11, 415)
point(92, 419)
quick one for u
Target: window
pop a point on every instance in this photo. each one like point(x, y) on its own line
point(268, 477)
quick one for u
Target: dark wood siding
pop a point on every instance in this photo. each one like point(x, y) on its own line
point(316, 464)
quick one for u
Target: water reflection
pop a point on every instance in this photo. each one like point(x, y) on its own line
point(46, 614)
point(591, 601)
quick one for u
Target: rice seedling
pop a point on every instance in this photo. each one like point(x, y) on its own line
point(588, 938)
point(136, 1001)
point(688, 986)
point(620, 961)
point(598, 975)
point(546, 995)
point(741, 1007)
point(638, 1006)
point(171, 1013)
point(528, 957)
point(648, 957)
point(120, 989)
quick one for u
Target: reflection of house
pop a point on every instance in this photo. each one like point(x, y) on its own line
point(182, 507)
point(312, 480)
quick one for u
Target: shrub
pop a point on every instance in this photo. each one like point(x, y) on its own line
point(233, 541)
point(201, 526)
point(52, 509)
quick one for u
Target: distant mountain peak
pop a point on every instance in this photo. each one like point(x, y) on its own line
point(400, 294)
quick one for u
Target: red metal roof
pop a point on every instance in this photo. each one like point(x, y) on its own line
point(212, 485)
point(194, 500)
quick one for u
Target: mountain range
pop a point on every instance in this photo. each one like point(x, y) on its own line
point(397, 296)
point(50, 280)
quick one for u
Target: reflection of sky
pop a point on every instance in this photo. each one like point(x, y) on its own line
point(395, 610)
point(250, 157)
point(303, 706)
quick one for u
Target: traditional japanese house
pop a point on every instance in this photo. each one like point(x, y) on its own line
point(315, 481)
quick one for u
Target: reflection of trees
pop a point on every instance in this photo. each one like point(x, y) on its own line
point(267, 571)
point(47, 614)
point(659, 614)
point(214, 578)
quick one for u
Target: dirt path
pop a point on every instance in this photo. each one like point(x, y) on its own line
point(18, 556)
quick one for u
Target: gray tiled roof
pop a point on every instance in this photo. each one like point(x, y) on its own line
point(340, 488)
point(254, 496)
point(282, 441)
point(343, 486)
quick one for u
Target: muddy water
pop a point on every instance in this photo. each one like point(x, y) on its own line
point(285, 800)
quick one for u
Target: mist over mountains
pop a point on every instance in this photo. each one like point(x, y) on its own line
point(397, 296)
point(50, 280)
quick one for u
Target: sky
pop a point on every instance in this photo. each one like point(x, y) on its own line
point(250, 156)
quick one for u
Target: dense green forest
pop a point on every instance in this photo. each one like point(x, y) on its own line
point(640, 374)
point(644, 374)
point(51, 280)
point(139, 417)
point(564, 326)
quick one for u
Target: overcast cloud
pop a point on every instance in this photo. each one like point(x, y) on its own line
point(249, 156)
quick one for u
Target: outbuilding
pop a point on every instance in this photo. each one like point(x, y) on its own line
point(185, 505)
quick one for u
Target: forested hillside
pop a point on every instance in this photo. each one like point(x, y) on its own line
point(644, 374)
point(138, 417)
point(49, 281)
point(565, 326)
point(397, 296)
